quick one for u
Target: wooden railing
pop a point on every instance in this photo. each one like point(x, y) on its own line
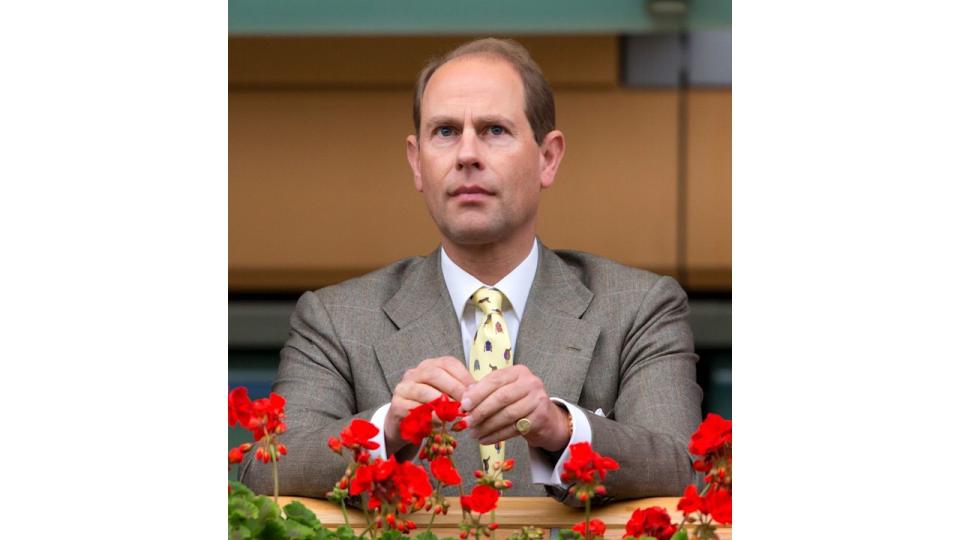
point(512, 514)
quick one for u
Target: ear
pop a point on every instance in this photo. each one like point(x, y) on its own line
point(551, 152)
point(413, 158)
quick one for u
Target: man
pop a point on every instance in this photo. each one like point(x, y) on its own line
point(543, 348)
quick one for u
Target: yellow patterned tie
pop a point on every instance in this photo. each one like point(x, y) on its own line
point(490, 351)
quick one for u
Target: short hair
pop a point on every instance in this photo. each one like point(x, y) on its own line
point(537, 94)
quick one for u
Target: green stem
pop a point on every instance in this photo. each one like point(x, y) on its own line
point(343, 508)
point(276, 475)
point(366, 514)
point(434, 508)
point(587, 520)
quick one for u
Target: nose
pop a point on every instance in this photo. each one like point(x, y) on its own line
point(468, 156)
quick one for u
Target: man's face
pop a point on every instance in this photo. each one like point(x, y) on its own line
point(476, 162)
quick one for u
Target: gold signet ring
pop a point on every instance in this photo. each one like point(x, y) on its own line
point(523, 426)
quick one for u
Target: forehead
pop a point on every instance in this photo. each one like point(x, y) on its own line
point(476, 84)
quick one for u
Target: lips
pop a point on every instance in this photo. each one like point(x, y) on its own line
point(470, 190)
point(471, 195)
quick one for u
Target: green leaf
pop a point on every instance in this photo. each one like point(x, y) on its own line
point(326, 534)
point(268, 509)
point(345, 533)
point(426, 535)
point(391, 534)
point(239, 532)
point(238, 489)
point(239, 510)
point(274, 529)
point(299, 531)
point(681, 534)
point(567, 534)
point(299, 513)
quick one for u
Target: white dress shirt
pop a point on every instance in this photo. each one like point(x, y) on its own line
point(515, 287)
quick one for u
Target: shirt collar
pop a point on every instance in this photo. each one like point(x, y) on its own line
point(515, 285)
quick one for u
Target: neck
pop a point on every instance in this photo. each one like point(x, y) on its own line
point(489, 262)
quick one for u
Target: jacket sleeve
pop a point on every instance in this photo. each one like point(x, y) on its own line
point(315, 379)
point(658, 405)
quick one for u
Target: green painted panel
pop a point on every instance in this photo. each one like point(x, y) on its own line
point(421, 17)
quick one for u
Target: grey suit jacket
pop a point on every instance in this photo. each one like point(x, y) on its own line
point(599, 334)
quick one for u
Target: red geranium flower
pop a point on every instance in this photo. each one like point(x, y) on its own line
point(585, 465)
point(358, 434)
point(238, 407)
point(446, 409)
point(691, 501)
point(403, 485)
point(444, 471)
point(712, 436)
point(417, 424)
point(263, 418)
point(481, 500)
point(597, 528)
point(719, 505)
point(653, 521)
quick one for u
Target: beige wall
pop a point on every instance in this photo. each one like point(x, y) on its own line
point(320, 189)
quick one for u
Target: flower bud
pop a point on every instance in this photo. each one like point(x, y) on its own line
point(411, 525)
point(478, 474)
point(582, 497)
point(459, 426)
point(463, 535)
point(601, 490)
point(493, 526)
point(436, 438)
point(508, 464)
point(507, 484)
point(335, 444)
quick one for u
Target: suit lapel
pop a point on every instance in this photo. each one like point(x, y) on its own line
point(427, 326)
point(553, 342)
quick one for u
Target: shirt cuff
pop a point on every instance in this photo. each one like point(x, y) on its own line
point(543, 470)
point(378, 419)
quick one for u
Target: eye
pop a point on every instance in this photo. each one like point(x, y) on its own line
point(445, 131)
point(497, 130)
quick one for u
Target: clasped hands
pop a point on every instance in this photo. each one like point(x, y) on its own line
point(494, 403)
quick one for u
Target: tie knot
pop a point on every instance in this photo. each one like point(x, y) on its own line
point(488, 300)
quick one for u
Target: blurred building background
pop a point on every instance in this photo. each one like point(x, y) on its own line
point(320, 98)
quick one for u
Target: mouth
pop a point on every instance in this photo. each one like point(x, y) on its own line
point(470, 193)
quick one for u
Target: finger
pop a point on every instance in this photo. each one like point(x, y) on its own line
point(501, 398)
point(502, 434)
point(401, 407)
point(506, 417)
point(480, 391)
point(416, 391)
point(440, 379)
point(458, 370)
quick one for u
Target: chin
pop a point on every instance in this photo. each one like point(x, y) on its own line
point(472, 235)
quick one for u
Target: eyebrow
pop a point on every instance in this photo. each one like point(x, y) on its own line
point(479, 120)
